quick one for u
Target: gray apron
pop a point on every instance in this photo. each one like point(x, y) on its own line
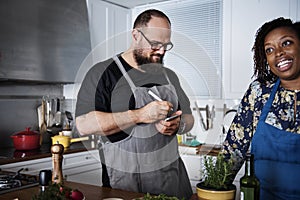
point(147, 161)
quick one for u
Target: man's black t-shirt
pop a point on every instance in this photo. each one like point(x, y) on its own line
point(105, 89)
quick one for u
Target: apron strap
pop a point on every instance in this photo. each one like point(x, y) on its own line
point(167, 77)
point(105, 177)
point(268, 105)
point(125, 74)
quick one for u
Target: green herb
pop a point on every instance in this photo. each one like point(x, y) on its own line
point(54, 192)
point(218, 172)
point(159, 197)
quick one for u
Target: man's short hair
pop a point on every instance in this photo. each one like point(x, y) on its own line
point(143, 18)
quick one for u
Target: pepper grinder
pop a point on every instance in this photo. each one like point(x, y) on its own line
point(57, 157)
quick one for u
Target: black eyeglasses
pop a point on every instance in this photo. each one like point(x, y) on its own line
point(158, 45)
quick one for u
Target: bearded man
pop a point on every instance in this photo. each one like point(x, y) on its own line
point(125, 100)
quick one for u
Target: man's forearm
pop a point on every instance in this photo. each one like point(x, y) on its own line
point(103, 123)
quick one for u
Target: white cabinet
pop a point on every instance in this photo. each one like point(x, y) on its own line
point(193, 165)
point(32, 167)
point(242, 18)
point(82, 167)
point(109, 28)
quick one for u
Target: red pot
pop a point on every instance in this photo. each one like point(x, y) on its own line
point(26, 140)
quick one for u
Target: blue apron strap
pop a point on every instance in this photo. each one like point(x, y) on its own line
point(268, 105)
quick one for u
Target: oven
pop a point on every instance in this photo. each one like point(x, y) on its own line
point(12, 181)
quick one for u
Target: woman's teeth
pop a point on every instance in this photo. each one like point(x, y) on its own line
point(283, 63)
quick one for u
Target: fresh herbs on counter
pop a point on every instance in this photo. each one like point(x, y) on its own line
point(57, 191)
point(159, 197)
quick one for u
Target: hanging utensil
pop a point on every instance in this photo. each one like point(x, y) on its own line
point(69, 117)
point(204, 126)
point(57, 116)
point(43, 128)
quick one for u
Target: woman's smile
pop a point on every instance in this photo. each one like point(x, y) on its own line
point(284, 64)
point(282, 50)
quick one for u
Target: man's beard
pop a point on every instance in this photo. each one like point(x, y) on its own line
point(148, 64)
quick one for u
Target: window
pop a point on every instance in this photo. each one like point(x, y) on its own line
point(197, 37)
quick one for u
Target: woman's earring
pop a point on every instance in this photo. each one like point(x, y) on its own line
point(268, 67)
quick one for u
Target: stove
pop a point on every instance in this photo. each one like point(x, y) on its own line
point(12, 181)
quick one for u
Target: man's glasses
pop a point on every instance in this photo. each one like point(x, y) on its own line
point(157, 45)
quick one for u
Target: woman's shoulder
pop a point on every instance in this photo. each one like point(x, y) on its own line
point(259, 88)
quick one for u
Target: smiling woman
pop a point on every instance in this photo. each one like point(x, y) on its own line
point(268, 115)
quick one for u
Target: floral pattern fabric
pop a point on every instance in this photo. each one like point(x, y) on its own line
point(284, 114)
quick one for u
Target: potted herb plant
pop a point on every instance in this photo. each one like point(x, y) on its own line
point(218, 179)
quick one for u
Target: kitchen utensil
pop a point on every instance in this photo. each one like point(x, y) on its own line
point(26, 140)
point(204, 126)
point(43, 128)
point(48, 112)
point(54, 129)
point(69, 117)
point(57, 115)
point(66, 140)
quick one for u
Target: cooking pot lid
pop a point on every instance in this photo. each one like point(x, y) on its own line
point(27, 132)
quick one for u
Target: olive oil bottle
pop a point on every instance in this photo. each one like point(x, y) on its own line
point(249, 184)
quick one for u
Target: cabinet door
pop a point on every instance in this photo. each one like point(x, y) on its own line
point(83, 167)
point(109, 26)
point(31, 167)
point(242, 18)
point(88, 174)
point(193, 166)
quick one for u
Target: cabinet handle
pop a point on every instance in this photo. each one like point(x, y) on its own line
point(88, 157)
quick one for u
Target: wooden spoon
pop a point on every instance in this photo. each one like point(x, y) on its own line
point(43, 128)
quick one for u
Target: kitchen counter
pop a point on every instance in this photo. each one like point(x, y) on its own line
point(90, 192)
point(204, 149)
point(10, 155)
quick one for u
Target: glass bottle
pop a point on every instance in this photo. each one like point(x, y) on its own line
point(249, 184)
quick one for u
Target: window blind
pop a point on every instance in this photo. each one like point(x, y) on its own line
point(197, 37)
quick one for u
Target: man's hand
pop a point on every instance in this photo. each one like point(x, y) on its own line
point(154, 111)
point(169, 127)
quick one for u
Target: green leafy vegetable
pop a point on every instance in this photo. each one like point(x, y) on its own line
point(159, 197)
point(54, 192)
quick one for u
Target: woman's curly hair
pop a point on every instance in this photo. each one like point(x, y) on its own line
point(261, 68)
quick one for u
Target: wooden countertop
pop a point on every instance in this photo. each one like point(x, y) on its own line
point(91, 192)
point(205, 149)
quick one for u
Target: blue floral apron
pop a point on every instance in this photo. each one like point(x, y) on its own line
point(277, 158)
